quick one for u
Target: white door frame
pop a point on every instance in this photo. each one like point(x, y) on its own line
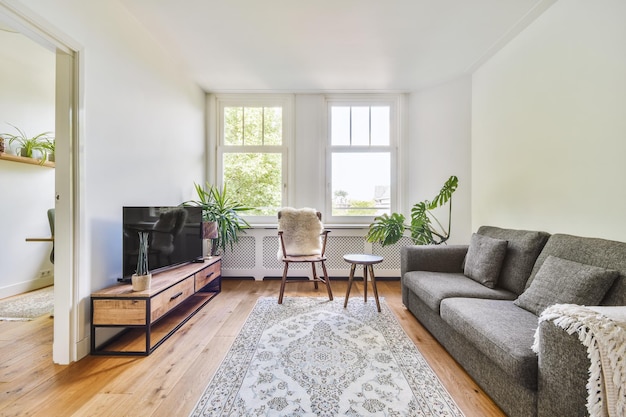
point(67, 204)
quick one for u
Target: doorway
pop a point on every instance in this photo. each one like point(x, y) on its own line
point(66, 201)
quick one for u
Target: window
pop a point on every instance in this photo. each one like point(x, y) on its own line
point(252, 151)
point(360, 157)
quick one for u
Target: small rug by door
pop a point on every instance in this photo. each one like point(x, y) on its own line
point(28, 306)
point(312, 357)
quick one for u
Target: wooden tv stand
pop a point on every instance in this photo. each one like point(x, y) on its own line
point(152, 316)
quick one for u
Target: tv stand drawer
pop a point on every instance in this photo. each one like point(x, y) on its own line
point(170, 298)
point(207, 275)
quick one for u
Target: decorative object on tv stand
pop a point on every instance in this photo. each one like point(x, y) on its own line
point(218, 206)
point(141, 279)
point(388, 229)
point(209, 232)
point(1, 144)
point(28, 145)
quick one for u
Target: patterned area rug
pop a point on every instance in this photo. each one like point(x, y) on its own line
point(28, 306)
point(312, 357)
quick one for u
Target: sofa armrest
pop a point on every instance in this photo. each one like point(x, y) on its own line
point(563, 373)
point(443, 258)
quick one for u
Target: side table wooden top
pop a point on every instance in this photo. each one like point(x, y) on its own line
point(363, 259)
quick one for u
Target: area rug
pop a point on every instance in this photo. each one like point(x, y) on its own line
point(312, 357)
point(28, 306)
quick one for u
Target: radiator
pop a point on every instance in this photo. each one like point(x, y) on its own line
point(255, 255)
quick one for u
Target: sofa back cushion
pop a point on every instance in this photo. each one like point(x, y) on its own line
point(603, 253)
point(524, 246)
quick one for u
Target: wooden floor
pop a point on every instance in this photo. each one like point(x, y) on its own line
point(169, 382)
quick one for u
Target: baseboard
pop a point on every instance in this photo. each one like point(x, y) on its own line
point(26, 286)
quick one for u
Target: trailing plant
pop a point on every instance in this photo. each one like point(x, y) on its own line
point(142, 258)
point(218, 206)
point(27, 145)
point(425, 228)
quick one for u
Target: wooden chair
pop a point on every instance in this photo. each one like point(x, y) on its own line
point(302, 239)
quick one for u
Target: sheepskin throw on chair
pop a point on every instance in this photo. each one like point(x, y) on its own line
point(301, 231)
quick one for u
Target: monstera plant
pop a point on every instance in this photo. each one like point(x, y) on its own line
point(425, 228)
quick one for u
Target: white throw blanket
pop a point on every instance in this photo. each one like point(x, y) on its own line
point(602, 330)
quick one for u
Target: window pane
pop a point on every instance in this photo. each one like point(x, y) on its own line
point(255, 179)
point(253, 126)
point(361, 184)
point(273, 125)
point(233, 126)
point(380, 126)
point(340, 125)
point(361, 126)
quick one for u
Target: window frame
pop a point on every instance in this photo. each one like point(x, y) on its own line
point(286, 102)
point(356, 100)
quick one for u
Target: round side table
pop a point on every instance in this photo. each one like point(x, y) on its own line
point(367, 261)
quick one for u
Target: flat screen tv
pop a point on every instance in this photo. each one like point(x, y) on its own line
point(174, 236)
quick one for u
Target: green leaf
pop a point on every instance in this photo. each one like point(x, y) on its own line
point(386, 229)
point(445, 193)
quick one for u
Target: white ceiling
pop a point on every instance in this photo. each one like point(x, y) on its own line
point(331, 45)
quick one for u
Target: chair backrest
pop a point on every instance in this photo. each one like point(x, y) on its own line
point(301, 230)
point(51, 220)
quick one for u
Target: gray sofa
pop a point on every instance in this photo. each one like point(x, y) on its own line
point(489, 327)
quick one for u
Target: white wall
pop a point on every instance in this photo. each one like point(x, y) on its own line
point(549, 125)
point(27, 101)
point(439, 146)
point(143, 131)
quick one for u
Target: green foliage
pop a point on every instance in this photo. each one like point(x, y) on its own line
point(255, 179)
point(218, 206)
point(425, 228)
point(386, 229)
point(29, 144)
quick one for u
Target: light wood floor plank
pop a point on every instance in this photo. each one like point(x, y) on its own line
point(170, 381)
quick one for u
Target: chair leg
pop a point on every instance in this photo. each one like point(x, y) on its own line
point(282, 283)
point(327, 281)
point(315, 278)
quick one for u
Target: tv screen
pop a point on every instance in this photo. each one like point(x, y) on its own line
point(174, 236)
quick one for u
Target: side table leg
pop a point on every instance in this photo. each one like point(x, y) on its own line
point(352, 267)
point(365, 283)
point(374, 286)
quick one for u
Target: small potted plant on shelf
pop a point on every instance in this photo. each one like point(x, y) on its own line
point(49, 146)
point(28, 145)
point(142, 277)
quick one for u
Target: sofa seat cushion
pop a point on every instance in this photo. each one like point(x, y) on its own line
point(433, 287)
point(500, 330)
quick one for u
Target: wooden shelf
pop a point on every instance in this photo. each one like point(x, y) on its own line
point(24, 160)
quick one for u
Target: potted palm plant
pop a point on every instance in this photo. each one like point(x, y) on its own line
point(219, 207)
point(28, 145)
point(425, 228)
point(142, 277)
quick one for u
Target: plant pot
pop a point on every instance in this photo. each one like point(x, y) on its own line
point(141, 282)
